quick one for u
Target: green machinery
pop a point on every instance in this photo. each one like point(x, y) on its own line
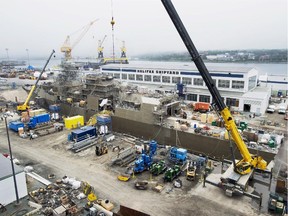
point(158, 168)
point(172, 173)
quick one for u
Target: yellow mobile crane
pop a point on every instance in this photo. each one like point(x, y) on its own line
point(248, 161)
point(26, 106)
point(67, 48)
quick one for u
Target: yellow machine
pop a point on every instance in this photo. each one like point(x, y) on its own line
point(67, 48)
point(26, 106)
point(248, 161)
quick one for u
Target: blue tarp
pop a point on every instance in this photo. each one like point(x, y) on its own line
point(30, 67)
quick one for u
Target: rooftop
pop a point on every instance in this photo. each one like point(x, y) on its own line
point(176, 66)
point(5, 168)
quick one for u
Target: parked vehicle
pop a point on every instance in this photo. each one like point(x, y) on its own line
point(270, 109)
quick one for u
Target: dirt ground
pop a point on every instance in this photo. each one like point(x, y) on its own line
point(48, 154)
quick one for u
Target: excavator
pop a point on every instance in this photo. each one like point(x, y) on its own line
point(248, 162)
point(25, 106)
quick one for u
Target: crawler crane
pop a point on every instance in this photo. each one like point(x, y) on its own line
point(249, 161)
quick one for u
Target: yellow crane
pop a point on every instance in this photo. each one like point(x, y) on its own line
point(100, 48)
point(67, 47)
point(26, 106)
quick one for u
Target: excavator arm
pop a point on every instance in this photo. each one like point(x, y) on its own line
point(248, 161)
point(25, 106)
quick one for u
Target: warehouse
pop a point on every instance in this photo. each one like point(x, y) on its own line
point(8, 194)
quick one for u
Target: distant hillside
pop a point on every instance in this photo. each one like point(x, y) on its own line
point(261, 56)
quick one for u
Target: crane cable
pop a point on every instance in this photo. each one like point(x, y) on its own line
point(112, 24)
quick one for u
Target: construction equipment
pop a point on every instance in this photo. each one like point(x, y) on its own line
point(26, 106)
point(146, 159)
point(141, 185)
point(101, 149)
point(248, 161)
point(88, 190)
point(67, 48)
point(100, 48)
point(191, 170)
point(178, 155)
point(158, 168)
point(172, 173)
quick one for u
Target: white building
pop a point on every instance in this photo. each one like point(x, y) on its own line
point(237, 86)
point(7, 189)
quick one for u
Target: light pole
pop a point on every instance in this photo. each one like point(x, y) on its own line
point(11, 159)
point(27, 50)
point(7, 53)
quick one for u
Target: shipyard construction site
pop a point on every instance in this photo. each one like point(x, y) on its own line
point(106, 159)
point(114, 140)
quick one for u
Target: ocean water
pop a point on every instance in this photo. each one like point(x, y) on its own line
point(263, 68)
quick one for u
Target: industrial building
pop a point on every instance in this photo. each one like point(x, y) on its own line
point(237, 86)
point(8, 194)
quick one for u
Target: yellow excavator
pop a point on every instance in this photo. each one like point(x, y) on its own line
point(25, 105)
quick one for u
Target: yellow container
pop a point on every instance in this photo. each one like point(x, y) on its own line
point(74, 122)
point(210, 118)
point(203, 118)
point(33, 113)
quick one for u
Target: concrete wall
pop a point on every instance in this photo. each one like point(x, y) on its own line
point(197, 144)
point(7, 194)
point(144, 115)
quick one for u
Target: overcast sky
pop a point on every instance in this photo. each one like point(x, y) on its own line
point(144, 25)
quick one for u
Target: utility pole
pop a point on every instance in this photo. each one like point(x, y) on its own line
point(11, 159)
point(7, 53)
point(27, 50)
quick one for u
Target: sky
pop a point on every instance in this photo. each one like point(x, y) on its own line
point(144, 25)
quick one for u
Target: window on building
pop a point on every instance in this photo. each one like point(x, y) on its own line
point(224, 83)
point(232, 102)
point(237, 84)
point(198, 81)
point(175, 79)
point(116, 75)
point(131, 76)
point(156, 79)
point(147, 78)
point(252, 82)
point(204, 98)
point(192, 97)
point(139, 77)
point(124, 76)
point(165, 79)
point(186, 81)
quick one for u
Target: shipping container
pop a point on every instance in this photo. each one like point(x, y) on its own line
point(74, 122)
point(83, 133)
point(15, 125)
point(38, 119)
point(201, 107)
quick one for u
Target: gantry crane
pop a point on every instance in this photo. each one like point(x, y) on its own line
point(67, 47)
point(123, 50)
point(100, 48)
